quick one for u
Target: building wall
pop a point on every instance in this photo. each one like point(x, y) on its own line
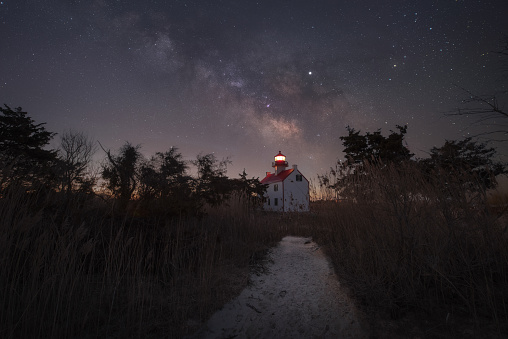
point(272, 195)
point(296, 193)
point(292, 195)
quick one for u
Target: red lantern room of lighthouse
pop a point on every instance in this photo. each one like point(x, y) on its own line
point(280, 163)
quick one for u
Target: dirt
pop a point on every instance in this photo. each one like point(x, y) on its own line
point(298, 296)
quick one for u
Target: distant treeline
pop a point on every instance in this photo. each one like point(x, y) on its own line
point(464, 165)
point(160, 184)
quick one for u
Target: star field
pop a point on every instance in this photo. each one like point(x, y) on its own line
point(245, 79)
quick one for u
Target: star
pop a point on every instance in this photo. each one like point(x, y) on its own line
point(179, 69)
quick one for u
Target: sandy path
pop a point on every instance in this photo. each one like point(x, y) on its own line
point(299, 297)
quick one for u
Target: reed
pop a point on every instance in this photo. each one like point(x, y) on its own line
point(405, 243)
point(73, 267)
point(84, 271)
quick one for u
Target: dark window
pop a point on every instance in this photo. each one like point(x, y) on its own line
point(276, 202)
point(268, 201)
point(298, 177)
point(276, 187)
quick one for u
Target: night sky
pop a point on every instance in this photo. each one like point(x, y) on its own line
point(245, 79)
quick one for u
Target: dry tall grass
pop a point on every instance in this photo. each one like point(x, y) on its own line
point(74, 269)
point(405, 243)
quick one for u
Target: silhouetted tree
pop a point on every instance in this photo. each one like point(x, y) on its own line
point(75, 154)
point(362, 151)
point(466, 162)
point(356, 147)
point(489, 110)
point(250, 189)
point(212, 186)
point(22, 155)
point(375, 147)
point(161, 174)
point(121, 172)
point(165, 188)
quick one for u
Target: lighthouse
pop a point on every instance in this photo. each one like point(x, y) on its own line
point(287, 189)
point(279, 163)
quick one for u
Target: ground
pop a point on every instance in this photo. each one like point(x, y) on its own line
point(297, 296)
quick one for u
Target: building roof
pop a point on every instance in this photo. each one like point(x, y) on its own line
point(271, 177)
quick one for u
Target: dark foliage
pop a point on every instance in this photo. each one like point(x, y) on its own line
point(465, 166)
point(165, 188)
point(162, 187)
point(456, 158)
point(121, 173)
point(250, 189)
point(22, 155)
point(212, 185)
point(375, 147)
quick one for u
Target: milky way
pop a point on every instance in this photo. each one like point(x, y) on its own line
point(245, 79)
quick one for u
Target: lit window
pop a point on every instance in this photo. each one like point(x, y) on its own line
point(276, 202)
point(280, 158)
point(275, 187)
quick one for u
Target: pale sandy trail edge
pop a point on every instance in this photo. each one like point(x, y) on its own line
point(298, 297)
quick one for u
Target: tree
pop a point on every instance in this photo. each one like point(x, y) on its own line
point(488, 110)
point(375, 147)
point(121, 172)
point(356, 146)
point(76, 152)
point(22, 155)
point(164, 186)
point(160, 176)
point(212, 187)
point(250, 189)
point(364, 152)
point(466, 162)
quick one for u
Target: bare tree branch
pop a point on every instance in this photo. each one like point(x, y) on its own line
point(76, 152)
point(487, 110)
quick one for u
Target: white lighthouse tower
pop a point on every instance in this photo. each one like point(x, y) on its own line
point(288, 189)
point(280, 163)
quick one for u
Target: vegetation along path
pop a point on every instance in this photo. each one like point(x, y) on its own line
point(297, 296)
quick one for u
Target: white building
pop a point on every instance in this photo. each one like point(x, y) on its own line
point(288, 189)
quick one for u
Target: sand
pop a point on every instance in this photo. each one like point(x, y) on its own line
point(298, 296)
